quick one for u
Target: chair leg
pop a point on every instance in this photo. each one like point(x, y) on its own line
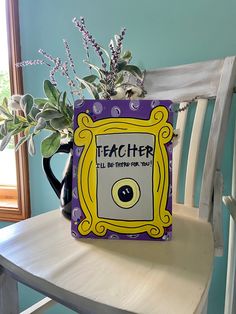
point(9, 303)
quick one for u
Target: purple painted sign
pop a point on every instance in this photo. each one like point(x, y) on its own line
point(122, 169)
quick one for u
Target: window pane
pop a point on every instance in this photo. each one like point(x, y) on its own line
point(3, 39)
point(8, 166)
point(7, 157)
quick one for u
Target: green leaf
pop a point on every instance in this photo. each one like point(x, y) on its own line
point(59, 123)
point(10, 126)
point(29, 119)
point(22, 119)
point(40, 125)
point(31, 145)
point(2, 119)
point(64, 96)
point(27, 102)
point(121, 65)
point(119, 79)
point(21, 141)
point(3, 128)
point(90, 78)
point(127, 56)
point(6, 139)
point(15, 118)
point(27, 130)
point(33, 112)
point(50, 144)
point(51, 92)
point(70, 111)
point(99, 88)
point(40, 102)
point(90, 88)
point(93, 66)
point(5, 104)
point(49, 114)
point(62, 104)
point(19, 129)
point(133, 69)
point(49, 105)
point(5, 112)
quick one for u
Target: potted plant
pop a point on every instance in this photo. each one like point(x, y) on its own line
point(114, 77)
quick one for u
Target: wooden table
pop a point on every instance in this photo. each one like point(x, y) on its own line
point(107, 276)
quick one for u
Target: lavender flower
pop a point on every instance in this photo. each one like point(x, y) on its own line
point(114, 58)
point(57, 63)
point(65, 72)
point(31, 62)
point(55, 69)
point(116, 52)
point(120, 41)
point(47, 56)
point(85, 42)
point(107, 81)
point(89, 38)
point(69, 56)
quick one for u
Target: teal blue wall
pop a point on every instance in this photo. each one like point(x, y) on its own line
point(160, 33)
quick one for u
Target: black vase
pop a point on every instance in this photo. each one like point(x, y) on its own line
point(62, 189)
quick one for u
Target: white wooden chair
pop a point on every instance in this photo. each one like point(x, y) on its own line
point(134, 276)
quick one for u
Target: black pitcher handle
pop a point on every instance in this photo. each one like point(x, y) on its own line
point(55, 183)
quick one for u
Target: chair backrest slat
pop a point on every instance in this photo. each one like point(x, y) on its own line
point(194, 152)
point(177, 151)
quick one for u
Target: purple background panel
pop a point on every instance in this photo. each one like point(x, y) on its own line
point(101, 109)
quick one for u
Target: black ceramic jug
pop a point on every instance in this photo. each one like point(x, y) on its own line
point(62, 189)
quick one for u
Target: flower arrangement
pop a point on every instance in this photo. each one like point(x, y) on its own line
point(113, 78)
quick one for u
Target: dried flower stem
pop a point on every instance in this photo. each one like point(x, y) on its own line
point(116, 51)
point(89, 39)
point(31, 62)
point(120, 42)
point(65, 72)
point(47, 56)
point(85, 43)
point(55, 69)
point(69, 56)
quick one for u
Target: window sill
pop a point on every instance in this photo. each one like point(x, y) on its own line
point(8, 197)
point(9, 210)
point(8, 203)
point(8, 193)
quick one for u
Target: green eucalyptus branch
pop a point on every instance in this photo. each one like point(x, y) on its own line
point(52, 113)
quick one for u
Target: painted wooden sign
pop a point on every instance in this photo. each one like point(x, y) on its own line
point(122, 169)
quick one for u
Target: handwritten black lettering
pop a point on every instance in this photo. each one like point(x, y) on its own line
point(129, 150)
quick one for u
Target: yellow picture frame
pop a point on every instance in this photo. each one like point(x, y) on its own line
point(85, 135)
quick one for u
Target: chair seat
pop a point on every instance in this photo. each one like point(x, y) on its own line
point(112, 276)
